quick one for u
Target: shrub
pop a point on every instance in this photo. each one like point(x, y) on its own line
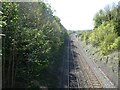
point(105, 37)
point(105, 46)
point(116, 44)
point(85, 37)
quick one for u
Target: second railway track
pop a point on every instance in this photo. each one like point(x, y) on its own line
point(73, 79)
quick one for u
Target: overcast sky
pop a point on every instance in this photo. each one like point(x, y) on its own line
point(78, 14)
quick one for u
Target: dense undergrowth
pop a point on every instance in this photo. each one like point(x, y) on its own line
point(32, 43)
point(106, 33)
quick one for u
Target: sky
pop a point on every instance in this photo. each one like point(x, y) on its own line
point(78, 14)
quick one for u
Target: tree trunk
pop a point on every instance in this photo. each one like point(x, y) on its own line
point(3, 63)
point(8, 76)
point(13, 67)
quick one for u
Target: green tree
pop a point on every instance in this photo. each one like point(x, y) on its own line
point(34, 37)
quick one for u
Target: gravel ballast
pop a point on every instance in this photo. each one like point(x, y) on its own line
point(108, 64)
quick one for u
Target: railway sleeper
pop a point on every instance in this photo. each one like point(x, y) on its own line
point(95, 82)
point(96, 85)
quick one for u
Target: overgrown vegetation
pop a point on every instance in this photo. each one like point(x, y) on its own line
point(106, 33)
point(34, 37)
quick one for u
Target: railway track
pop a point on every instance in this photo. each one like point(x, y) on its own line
point(74, 82)
point(92, 79)
point(77, 69)
point(73, 79)
point(64, 83)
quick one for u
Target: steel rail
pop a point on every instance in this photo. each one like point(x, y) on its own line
point(92, 78)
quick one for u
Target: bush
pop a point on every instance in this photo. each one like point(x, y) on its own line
point(85, 37)
point(105, 37)
point(105, 46)
point(116, 44)
point(93, 38)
